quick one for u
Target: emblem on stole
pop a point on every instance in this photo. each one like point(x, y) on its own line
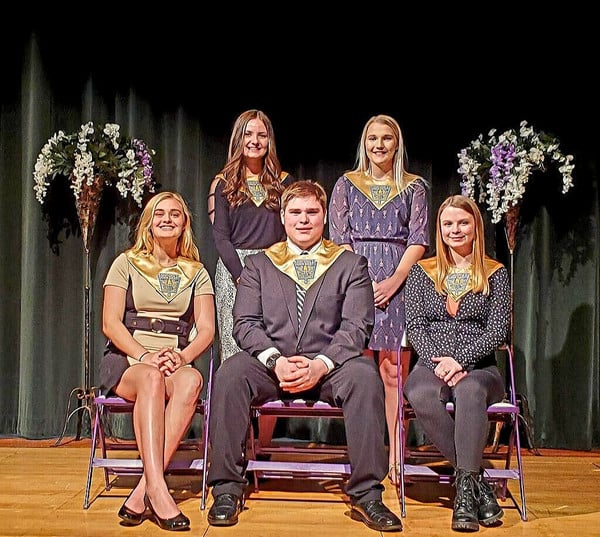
point(380, 194)
point(257, 191)
point(169, 283)
point(305, 270)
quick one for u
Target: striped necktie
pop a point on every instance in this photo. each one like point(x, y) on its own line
point(300, 294)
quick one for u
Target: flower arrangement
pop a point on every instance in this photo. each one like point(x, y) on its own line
point(125, 163)
point(501, 166)
point(92, 158)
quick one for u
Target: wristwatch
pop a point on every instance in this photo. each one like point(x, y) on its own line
point(272, 360)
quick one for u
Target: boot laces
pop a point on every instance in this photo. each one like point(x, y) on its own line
point(486, 493)
point(467, 491)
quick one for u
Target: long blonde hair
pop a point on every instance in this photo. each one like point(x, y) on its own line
point(402, 178)
point(234, 171)
point(144, 240)
point(443, 257)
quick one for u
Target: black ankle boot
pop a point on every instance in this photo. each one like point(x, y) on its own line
point(489, 511)
point(464, 516)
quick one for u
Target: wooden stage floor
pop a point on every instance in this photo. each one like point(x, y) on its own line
point(42, 489)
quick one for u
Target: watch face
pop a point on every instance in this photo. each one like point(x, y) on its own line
point(272, 360)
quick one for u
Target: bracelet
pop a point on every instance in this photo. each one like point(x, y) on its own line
point(142, 355)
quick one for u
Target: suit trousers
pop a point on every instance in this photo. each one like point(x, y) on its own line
point(355, 386)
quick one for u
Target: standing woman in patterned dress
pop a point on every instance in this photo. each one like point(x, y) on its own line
point(247, 194)
point(381, 211)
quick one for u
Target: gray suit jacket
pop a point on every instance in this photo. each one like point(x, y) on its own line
point(337, 318)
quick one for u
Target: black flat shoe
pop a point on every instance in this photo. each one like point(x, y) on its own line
point(177, 523)
point(225, 510)
point(130, 517)
point(375, 515)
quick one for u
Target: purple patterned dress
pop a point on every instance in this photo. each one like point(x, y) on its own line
point(381, 230)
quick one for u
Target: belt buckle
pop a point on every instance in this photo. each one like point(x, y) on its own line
point(157, 325)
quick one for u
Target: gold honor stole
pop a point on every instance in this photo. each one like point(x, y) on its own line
point(306, 269)
point(379, 192)
point(257, 191)
point(169, 282)
point(459, 281)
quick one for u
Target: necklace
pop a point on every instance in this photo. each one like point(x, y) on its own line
point(459, 282)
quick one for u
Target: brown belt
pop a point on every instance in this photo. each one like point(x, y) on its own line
point(156, 324)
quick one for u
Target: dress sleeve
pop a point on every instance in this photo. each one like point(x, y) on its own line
point(418, 226)
point(204, 284)
point(222, 233)
point(339, 213)
point(118, 273)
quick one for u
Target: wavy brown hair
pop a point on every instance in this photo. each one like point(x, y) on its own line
point(144, 240)
point(444, 259)
point(234, 171)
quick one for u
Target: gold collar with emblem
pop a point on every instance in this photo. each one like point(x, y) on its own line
point(169, 282)
point(304, 269)
point(459, 280)
point(256, 191)
point(380, 192)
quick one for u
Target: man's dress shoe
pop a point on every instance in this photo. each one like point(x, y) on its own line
point(225, 510)
point(375, 515)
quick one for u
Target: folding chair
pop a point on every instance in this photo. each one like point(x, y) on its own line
point(291, 467)
point(504, 413)
point(104, 409)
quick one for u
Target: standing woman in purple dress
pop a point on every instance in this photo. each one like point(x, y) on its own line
point(381, 211)
point(247, 194)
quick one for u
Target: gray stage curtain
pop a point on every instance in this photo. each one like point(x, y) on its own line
point(556, 314)
point(556, 263)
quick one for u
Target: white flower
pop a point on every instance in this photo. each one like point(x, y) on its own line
point(94, 151)
point(501, 166)
point(112, 131)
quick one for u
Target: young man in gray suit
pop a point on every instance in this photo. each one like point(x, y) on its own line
point(303, 314)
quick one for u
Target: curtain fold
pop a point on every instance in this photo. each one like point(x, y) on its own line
point(557, 279)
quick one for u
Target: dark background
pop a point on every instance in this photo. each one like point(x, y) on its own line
point(320, 83)
point(179, 81)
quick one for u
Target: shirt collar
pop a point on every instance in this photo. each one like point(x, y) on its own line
point(297, 250)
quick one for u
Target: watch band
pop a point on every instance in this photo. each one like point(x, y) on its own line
point(272, 360)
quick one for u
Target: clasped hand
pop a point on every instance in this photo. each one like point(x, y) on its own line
point(299, 373)
point(449, 370)
point(167, 359)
